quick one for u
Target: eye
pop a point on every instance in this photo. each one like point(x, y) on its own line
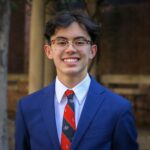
point(61, 42)
point(80, 42)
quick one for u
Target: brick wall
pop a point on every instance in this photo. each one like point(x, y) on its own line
point(125, 46)
point(17, 88)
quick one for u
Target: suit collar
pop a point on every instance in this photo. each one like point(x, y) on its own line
point(48, 113)
point(93, 102)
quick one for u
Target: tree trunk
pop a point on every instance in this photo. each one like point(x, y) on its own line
point(4, 32)
point(49, 68)
point(36, 58)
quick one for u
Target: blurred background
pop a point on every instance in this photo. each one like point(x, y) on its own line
point(122, 63)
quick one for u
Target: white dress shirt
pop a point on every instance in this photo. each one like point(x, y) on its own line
point(80, 91)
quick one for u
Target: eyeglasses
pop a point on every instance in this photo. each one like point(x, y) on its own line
point(63, 43)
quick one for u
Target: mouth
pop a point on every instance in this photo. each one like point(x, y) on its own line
point(71, 60)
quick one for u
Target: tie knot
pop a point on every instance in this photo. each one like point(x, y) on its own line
point(69, 94)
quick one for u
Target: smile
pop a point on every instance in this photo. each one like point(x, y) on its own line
point(70, 60)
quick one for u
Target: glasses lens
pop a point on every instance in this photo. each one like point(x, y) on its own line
point(80, 42)
point(62, 43)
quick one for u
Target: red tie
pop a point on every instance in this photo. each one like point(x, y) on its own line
point(68, 126)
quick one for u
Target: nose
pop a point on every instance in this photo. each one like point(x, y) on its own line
point(70, 47)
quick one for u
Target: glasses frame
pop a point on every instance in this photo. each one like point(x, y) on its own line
point(72, 42)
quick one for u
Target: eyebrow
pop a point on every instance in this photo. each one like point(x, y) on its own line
point(61, 37)
point(78, 37)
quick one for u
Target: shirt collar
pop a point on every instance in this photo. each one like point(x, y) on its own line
point(59, 90)
point(80, 89)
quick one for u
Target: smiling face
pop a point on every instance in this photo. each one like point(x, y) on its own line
point(71, 61)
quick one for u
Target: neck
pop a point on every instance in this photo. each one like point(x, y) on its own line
point(71, 82)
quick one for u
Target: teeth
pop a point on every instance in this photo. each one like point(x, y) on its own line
point(70, 60)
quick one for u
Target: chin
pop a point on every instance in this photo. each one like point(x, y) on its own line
point(75, 73)
point(72, 73)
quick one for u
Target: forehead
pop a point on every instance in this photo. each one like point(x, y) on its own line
point(72, 31)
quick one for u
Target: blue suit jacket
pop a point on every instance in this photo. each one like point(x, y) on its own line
point(106, 122)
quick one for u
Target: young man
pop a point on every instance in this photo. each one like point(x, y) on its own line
point(85, 117)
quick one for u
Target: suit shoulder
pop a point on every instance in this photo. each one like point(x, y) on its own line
point(114, 103)
point(117, 102)
point(35, 94)
point(36, 98)
point(111, 98)
point(116, 97)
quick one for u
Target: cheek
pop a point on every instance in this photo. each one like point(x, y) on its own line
point(90, 55)
point(53, 55)
point(57, 61)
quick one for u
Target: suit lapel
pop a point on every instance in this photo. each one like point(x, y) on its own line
point(48, 113)
point(92, 103)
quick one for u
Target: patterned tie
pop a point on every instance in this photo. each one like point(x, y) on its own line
point(68, 126)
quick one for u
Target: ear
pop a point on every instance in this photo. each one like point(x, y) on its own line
point(93, 51)
point(48, 51)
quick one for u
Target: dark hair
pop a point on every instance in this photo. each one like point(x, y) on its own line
point(65, 18)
